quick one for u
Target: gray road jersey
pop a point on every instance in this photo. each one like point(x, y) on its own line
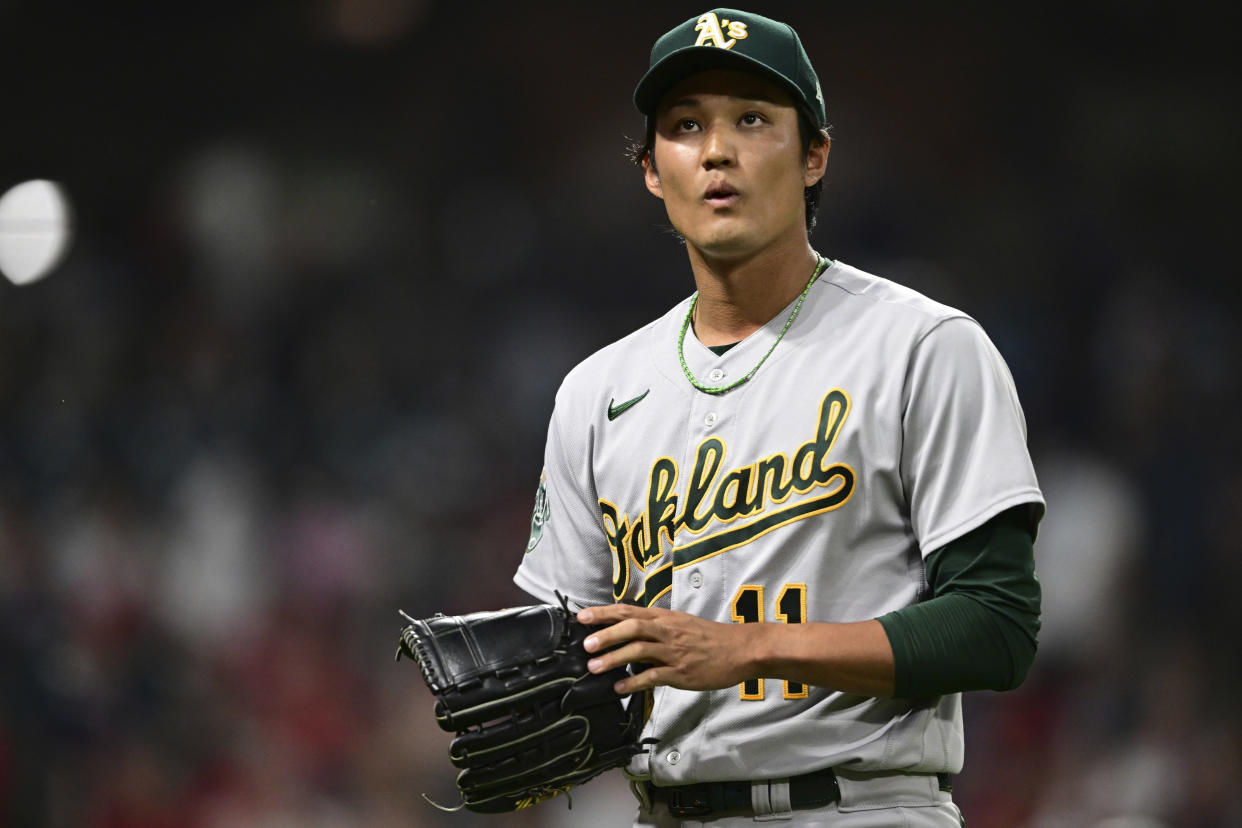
point(883, 426)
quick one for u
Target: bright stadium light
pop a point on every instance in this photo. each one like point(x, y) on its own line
point(34, 230)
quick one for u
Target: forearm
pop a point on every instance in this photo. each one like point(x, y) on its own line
point(691, 653)
point(852, 657)
point(978, 633)
point(980, 630)
point(953, 643)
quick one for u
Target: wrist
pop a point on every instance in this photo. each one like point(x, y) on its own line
point(853, 657)
point(769, 652)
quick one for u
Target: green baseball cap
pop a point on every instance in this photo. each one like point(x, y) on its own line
point(731, 39)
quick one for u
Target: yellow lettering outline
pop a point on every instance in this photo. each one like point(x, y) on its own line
point(733, 613)
point(794, 519)
point(709, 29)
point(641, 598)
point(780, 599)
point(666, 527)
point(616, 542)
point(708, 486)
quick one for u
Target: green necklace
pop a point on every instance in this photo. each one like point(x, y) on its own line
point(720, 389)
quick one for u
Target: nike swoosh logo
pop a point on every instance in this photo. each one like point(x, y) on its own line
point(615, 411)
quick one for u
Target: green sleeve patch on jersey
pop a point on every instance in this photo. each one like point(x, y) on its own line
point(979, 630)
point(540, 516)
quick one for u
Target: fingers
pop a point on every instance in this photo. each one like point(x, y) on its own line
point(684, 651)
point(647, 679)
point(631, 630)
point(625, 624)
point(671, 645)
point(635, 652)
point(630, 653)
point(612, 613)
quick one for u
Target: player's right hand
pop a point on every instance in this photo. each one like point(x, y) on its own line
point(682, 650)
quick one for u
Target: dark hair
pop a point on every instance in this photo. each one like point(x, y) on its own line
point(807, 130)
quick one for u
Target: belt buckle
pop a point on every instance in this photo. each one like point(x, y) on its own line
point(683, 803)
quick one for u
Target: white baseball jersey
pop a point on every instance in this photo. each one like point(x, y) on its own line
point(881, 427)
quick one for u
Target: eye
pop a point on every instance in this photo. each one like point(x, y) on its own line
point(685, 125)
point(751, 119)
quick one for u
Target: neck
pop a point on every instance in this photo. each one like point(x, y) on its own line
point(738, 297)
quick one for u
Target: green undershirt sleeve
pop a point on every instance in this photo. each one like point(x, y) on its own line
point(978, 629)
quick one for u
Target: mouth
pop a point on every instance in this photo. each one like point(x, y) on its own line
point(721, 194)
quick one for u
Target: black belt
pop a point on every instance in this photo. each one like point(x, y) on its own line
point(810, 790)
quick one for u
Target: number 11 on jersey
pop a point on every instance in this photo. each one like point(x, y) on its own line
point(790, 609)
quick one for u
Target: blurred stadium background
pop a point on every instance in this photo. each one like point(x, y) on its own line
point(327, 262)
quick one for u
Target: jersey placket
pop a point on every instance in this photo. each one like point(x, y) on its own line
point(698, 587)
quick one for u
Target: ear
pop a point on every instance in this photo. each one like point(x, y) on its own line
point(817, 161)
point(651, 177)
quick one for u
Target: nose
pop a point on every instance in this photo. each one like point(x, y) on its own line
point(717, 149)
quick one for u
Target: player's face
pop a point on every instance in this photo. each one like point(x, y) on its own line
point(729, 163)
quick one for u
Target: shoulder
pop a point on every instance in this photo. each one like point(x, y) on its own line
point(877, 297)
point(880, 316)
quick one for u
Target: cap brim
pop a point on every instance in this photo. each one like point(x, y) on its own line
point(683, 63)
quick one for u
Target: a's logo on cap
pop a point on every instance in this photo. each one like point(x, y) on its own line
point(712, 30)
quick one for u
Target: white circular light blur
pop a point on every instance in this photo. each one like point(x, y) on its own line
point(34, 230)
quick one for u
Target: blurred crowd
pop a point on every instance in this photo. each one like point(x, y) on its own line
point(331, 263)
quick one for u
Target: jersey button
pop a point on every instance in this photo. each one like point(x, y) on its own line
point(710, 419)
point(716, 375)
point(674, 756)
point(696, 579)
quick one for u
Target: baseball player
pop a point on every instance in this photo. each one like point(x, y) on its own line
point(801, 500)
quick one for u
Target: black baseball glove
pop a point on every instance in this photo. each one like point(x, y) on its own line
point(531, 721)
